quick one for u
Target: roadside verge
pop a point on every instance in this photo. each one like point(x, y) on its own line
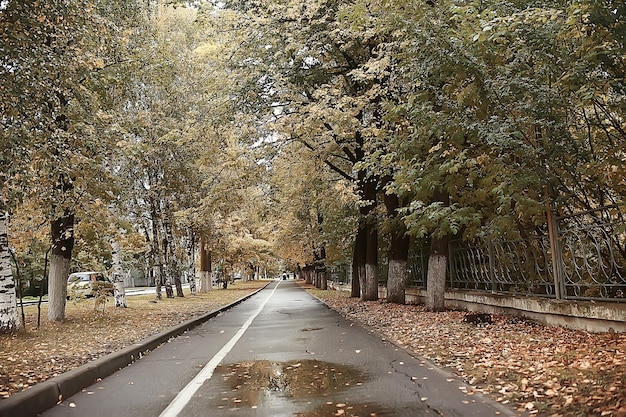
point(42, 396)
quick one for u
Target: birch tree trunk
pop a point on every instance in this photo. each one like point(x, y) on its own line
point(158, 277)
point(118, 274)
point(157, 255)
point(168, 255)
point(191, 261)
point(62, 246)
point(149, 260)
point(9, 317)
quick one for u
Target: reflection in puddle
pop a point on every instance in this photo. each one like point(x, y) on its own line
point(344, 410)
point(306, 388)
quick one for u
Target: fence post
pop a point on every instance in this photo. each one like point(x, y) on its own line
point(492, 266)
point(557, 270)
point(451, 270)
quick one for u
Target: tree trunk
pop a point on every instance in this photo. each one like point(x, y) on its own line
point(436, 278)
point(308, 275)
point(358, 261)
point(319, 254)
point(118, 274)
point(371, 264)
point(62, 246)
point(157, 256)
point(168, 255)
point(368, 191)
point(323, 279)
point(191, 261)
point(398, 254)
point(437, 263)
point(175, 272)
point(149, 260)
point(205, 268)
point(157, 273)
point(398, 273)
point(9, 316)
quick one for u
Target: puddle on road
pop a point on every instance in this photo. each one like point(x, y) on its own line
point(306, 388)
point(344, 410)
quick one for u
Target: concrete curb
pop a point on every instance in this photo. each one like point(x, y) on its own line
point(39, 398)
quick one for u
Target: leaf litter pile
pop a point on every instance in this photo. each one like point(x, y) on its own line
point(32, 356)
point(541, 370)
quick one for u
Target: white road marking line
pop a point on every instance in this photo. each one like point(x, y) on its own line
point(185, 395)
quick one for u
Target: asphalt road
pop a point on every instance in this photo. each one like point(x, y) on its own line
point(280, 353)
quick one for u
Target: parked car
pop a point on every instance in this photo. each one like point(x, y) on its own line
point(88, 284)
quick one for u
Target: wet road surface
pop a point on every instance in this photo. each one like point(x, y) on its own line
point(280, 353)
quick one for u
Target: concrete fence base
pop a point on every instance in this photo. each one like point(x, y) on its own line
point(582, 315)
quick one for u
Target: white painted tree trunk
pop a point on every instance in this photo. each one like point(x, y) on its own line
point(9, 317)
point(437, 265)
point(62, 230)
point(205, 267)
point(371, 282)
point(436, 282)
point(396, 281)
point(398, 255)
point(205, 281)
point(118, 274)
point(57, 287)
point(370, 292)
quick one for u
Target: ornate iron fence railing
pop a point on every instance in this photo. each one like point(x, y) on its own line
point(512, 266)
point(592, 248)
point(589, 263)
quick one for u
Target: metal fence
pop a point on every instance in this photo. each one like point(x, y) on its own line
point(513, 266)
point(589, 262)
point(592, 252)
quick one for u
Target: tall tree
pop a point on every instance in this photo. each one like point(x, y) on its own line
point(9, 317)
point(314, 211)
point(162, 121)
point(399, 242)
point(306, 75)
point(53, 96)
point(118, 273)
point(502, 102)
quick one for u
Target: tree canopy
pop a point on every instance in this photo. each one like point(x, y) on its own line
point(291, 133)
